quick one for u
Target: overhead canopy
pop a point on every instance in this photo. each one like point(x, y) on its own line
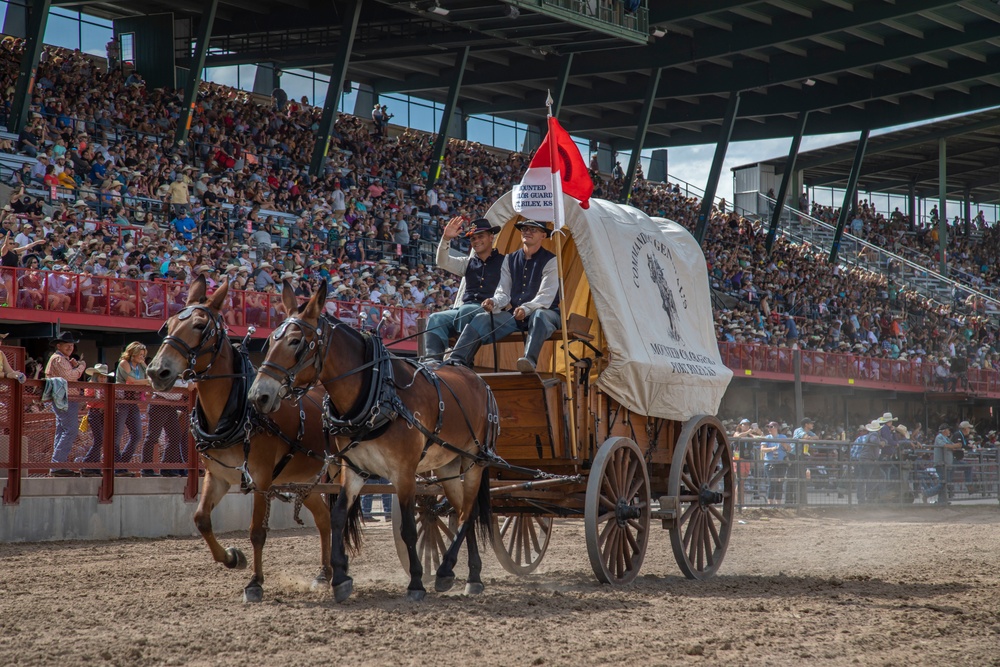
point(644, 283)
point(896, 159)
point(857, 63)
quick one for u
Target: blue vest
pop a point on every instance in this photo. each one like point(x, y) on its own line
point(526, 276)
point(482, 278)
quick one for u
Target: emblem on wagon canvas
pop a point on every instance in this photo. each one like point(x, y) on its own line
point(666, 295)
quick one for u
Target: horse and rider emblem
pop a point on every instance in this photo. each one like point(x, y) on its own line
point(666, 295)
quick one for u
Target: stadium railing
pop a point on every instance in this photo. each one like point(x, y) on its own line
point(823, 473)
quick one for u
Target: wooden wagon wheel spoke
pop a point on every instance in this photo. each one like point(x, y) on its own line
point(520, 541)
point(702, 479)
point(617, 511)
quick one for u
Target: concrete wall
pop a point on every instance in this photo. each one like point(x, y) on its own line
point(68, 509)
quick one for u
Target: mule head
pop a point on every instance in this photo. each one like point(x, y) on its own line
point(295, 352)
point(192, 337)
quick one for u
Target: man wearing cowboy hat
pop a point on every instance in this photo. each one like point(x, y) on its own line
point(869, 470)
point(60, 365)
point(529, 284)
point(480, 271)
point(944, 459)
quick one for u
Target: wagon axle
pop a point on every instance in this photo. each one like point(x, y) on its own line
point(709, 497)
point(624, 512)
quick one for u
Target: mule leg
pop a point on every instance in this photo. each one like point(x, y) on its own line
point(474, 585)
point(453, 490)
point(254, 590)
point(342, 583)
point(316, 505)
point(406, 493)
point(213, 490)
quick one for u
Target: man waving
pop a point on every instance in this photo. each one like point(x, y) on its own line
point(529, 286)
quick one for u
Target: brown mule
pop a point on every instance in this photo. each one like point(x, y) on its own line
point(400, 419)
point(196, 343)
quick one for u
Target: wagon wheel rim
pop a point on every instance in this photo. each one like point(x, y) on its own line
point(520, 541)
point(617, 511)
point(437, 523)
point(702, 479)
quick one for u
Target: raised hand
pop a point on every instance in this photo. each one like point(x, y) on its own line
point(453, 228)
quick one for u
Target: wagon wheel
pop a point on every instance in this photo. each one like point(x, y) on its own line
point(520, 541)
point(702, 481)
point(616, 511)
point(437, 523)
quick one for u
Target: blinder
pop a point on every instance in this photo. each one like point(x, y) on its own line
point(314, 344)
point(216, 328)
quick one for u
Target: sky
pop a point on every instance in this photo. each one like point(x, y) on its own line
point(690, 164)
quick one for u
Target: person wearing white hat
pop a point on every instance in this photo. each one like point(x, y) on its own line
point(480, 272)
point(962, 438)
point(95, 417)
point(865, 452)
point(61, 365)
point(529, 284)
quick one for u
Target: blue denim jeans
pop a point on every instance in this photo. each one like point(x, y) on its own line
point(67, 429)
point(446, 323)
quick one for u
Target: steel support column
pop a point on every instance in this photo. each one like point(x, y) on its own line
point(852, 185)
point(441, 143)
point(38, 17)
point(779, 204)
point(725, 132)
point(967, 207)
point(640, 135)
point(194, 75)
point(943, 206)
point(560, 92)
point(348, 28)
point(911, 203)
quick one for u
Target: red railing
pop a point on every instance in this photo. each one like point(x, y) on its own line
point(777, 363)
point(89, 300)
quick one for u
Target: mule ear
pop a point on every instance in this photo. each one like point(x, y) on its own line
point(197, 292)
point(288, 298)
point(315, 304)
point(220, 295)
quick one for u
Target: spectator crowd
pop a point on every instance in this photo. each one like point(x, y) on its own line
point(236, 201)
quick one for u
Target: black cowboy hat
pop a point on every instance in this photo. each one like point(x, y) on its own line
point(65, 337)
point(482, 225)
point(544, 226)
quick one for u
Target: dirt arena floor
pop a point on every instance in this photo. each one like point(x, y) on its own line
point(893, 588)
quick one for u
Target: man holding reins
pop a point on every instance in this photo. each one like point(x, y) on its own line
point(480, 271)
point(529, 285)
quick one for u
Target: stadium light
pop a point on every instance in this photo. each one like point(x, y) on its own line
point(810, 82)
point(659, 32)
point(438, 9)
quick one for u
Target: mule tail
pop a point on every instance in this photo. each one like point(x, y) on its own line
point(352, 527)
point(484, 508)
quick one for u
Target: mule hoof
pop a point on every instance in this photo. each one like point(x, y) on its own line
point(319, 583)
point(473, 588)
point(443, 584)
point(235, 559)
point(253, 593)
point(415, 595)
point(343, 590)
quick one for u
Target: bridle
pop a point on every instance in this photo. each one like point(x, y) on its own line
point(311, 351)
point(215, 328)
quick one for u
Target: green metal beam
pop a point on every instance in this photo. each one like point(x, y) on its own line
point(38, 16)
point(852, 186)
point(194, 74)
point(348, 29)
point(901, 164)
point(715, 43)
point(560, 91)
point(779, 206)
point(640, 136)
point(441, 143)
point(725, 133)
point(671, 12)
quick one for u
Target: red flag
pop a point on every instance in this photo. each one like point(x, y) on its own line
point(556, 164)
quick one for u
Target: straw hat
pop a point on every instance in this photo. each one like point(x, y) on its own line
point(873, 427)
point(100, 369)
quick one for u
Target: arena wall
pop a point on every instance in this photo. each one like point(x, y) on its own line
point(68, 509)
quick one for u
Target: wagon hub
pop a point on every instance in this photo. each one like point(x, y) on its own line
point(709, 497)
point(624, 512)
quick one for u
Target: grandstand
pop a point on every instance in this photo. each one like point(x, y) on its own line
point(134, 176)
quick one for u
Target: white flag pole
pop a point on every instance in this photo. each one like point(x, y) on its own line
point(558, 220)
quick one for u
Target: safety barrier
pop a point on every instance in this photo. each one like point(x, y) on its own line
point(110, 430)
point(826, 475)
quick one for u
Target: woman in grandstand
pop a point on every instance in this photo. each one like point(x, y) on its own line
point(123, 297)
point(31, 286)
